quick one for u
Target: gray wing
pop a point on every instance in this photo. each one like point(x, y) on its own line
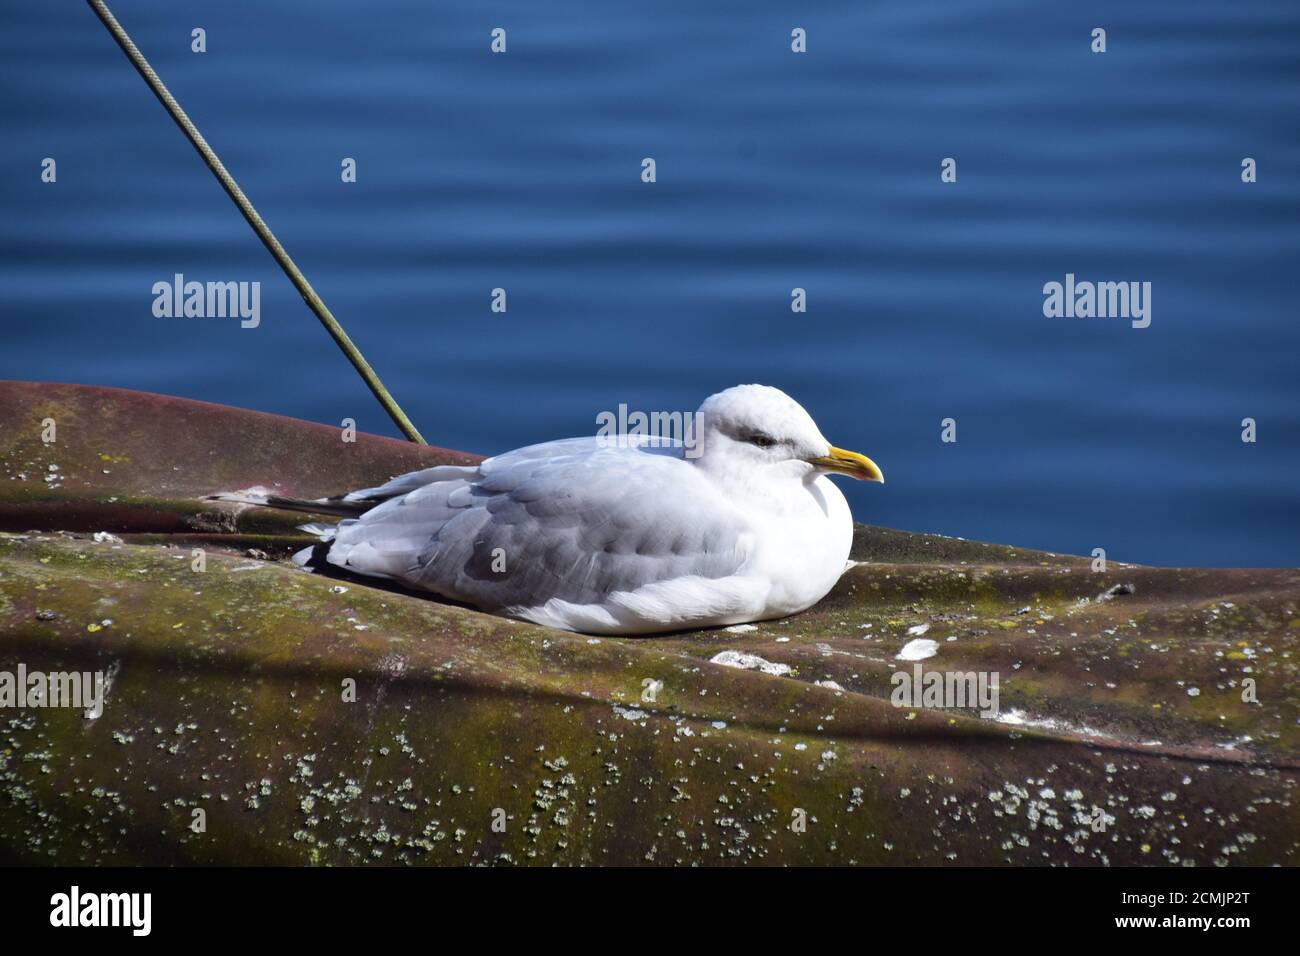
point(573, 520)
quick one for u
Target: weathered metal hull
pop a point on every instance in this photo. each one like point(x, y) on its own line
point(475, 739)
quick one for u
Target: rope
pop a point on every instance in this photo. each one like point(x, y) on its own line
point(261, 228)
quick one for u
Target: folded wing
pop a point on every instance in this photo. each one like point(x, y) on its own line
point(572, 521)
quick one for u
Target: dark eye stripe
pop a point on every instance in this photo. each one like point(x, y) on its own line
point(761, 440)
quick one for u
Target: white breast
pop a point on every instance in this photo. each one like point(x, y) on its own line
point(802, 552)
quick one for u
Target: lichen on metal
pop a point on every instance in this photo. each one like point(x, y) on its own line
point(1123, 735)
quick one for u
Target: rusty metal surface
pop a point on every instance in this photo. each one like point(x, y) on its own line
point(132, 461)
point(1119, 709)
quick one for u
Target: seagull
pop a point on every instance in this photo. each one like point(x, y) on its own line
point(632, 536)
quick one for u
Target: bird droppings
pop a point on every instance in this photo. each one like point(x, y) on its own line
point(918, 650)
point(749, 662)
point(1118, 590)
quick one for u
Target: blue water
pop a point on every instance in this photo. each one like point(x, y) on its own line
point(775, 170)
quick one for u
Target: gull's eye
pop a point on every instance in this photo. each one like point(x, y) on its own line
point(759, 439)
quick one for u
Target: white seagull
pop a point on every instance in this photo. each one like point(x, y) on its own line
point(617, 537)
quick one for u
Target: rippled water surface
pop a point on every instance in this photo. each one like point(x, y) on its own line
point(775, 171)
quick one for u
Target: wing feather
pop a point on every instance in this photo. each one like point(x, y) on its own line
point(571, 521)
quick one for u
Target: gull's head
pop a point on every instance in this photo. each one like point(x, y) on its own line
point(755, 427)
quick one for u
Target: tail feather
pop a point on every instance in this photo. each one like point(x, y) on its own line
point(354, 504)
point(318, 506)
point(321, 530)
point(314, 556)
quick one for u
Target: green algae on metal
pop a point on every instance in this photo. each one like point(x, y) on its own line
point(228, 696)
point(319, 720)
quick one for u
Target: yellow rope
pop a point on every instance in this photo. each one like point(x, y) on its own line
point(261, 228)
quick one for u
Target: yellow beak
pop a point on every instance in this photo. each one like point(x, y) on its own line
point(849, 463)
